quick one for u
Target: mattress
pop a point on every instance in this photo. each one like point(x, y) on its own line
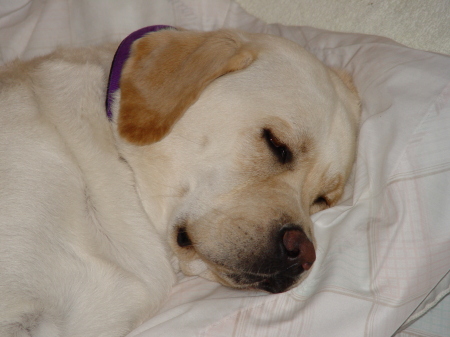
point(383, 255)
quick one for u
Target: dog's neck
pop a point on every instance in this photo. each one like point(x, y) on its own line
point(121, 55)
point(128, 150)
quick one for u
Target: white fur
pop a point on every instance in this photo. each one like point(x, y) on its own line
point(78, 255)
point(85, 217)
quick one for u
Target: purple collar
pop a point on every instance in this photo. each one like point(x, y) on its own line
point(121, 55)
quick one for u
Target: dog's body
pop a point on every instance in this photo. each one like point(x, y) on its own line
point(225, 171)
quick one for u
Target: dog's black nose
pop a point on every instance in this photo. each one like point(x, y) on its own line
point(295, 255)
point(277, 266)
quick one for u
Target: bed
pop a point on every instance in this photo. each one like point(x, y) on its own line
point(383, 255)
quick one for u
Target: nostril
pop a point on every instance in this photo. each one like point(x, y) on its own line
point(297, 246)
point(291, 242)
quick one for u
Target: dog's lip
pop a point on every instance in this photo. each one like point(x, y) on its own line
point(273, 283)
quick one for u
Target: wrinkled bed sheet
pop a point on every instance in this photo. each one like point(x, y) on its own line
point(383, 255)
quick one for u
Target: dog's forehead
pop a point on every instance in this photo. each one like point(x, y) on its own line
point(289, 60)
point(285, 88)
point(236, 106)
point(284, 81)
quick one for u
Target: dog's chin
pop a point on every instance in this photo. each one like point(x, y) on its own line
point(274, 284)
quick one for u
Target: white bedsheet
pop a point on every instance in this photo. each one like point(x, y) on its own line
point(384, 252)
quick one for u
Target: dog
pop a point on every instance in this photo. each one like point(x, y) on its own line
point(212, 153)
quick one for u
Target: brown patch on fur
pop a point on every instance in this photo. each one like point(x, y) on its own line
point(353, 100)
point(166, 73)
point(329, 189)
point(346, 78)
point(307, 145)
point(334, 190)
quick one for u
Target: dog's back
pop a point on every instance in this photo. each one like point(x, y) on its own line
point(65, 196)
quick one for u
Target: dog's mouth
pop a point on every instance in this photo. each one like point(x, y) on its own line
point(277, 267)
point(275, 283)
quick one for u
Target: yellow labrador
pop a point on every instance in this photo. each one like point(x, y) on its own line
point(214, 148)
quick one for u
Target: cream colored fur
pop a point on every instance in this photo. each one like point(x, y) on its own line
point(89, 220)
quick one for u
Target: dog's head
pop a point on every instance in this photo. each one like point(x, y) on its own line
point(235, 139)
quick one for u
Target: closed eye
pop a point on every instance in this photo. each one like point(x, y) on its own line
point(279, 149)
point(321, 201)
point(183, 239)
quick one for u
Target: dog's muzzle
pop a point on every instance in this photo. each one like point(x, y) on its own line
point(275, 273)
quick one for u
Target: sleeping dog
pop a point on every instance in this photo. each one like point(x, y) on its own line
point(212, 151)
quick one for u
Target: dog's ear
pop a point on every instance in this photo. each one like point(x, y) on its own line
point(165, 74)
